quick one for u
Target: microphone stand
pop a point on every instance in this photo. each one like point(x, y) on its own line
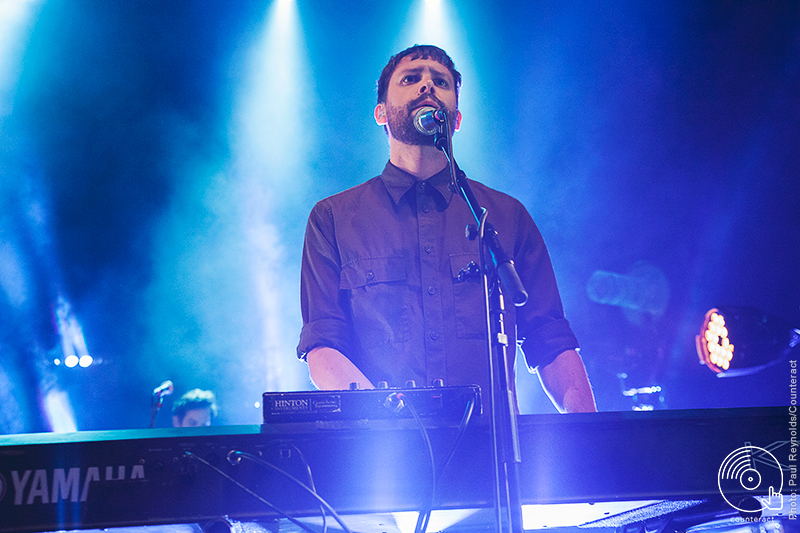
point(157, 400)
point(155, 407)
point(501, 276)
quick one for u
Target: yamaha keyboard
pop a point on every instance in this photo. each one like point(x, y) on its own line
point(102, 479)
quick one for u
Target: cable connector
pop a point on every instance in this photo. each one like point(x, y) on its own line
point(394, 402)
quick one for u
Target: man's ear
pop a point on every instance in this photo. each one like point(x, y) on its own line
point(380, 114)
point(458, 120)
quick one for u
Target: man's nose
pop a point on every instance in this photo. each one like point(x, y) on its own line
point(426, 86)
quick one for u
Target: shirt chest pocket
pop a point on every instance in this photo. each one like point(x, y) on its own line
point(379, 299)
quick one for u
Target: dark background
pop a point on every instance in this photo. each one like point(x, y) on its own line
point(158, 161)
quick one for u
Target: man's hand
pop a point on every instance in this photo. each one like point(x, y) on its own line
point(331, 370)
point(566, 383)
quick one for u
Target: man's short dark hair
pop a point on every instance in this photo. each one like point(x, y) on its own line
point(418, 51)
point(195, 399)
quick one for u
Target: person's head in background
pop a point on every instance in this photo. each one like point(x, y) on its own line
point(196, 408)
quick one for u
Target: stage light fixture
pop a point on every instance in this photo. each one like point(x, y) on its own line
point(736, 341)
point(71, 361)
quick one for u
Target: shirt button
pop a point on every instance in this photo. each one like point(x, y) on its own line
point(370, 275)
point(431, 290)
point(428, 248)
point(425, 209)
point(434, 335)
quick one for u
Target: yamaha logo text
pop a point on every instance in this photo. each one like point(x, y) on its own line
point(43, 486)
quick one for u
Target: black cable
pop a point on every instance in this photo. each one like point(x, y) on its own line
point(425, 514)
point(422, 521)
point(256, 496)
point(310, 478)
point(299, 483)
point(462, 426)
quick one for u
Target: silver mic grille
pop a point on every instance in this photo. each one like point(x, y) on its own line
point(424, 120)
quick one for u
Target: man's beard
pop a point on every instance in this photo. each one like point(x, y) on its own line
point(401, 122)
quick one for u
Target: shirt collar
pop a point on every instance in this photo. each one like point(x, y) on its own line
point(398, 182)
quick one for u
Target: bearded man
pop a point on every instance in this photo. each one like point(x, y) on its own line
point(381, 295)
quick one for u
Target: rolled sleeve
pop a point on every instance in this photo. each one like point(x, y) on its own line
point(324, 332)
point(545, 343)
point(541, 325)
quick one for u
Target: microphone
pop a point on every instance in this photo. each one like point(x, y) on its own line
point(428, 119)
point(165, 389)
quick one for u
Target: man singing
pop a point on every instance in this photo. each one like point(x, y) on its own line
point(381, 295)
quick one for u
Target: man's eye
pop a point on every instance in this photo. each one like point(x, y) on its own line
point(411, 78)
point(441, 82)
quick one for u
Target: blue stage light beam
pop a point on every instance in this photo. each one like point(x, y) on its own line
point(16, 20)
point(59, 412)
point(433, 21)
point(12, 413)
point(73, 343)
point(273, 123)
point(224, 312)
point(273, 134)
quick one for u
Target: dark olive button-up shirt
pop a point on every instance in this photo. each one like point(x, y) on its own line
point(380, 282)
